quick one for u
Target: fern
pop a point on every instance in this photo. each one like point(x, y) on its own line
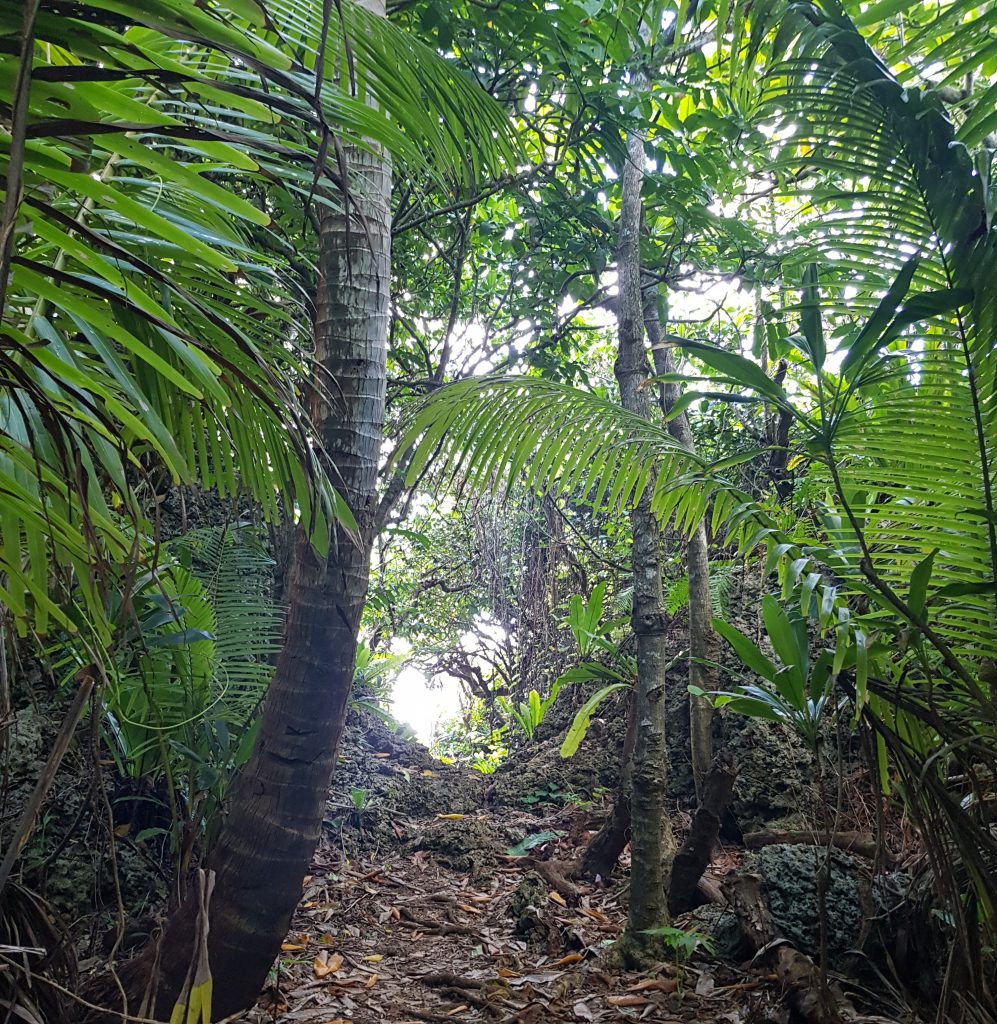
point(721, 579)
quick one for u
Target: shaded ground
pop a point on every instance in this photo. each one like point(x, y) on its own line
point(417, 911)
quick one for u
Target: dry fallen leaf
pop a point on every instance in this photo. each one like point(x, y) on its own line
point(557, 898)
point(457, 1009)
point(571, 958)
point(666, 985)
point(371, 981)
point(325, 964)
point(627, 1000)
point(582, 1010)
point(291, 947)
point(374, 958)
point(450, 817)
point(506, 972)
point(468, 909)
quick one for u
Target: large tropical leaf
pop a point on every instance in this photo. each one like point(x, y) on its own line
point(901, 238)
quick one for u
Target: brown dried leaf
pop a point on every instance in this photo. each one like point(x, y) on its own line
point(627, 1000)
point(667, 985)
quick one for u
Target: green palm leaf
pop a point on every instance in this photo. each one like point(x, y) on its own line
point(150, 321)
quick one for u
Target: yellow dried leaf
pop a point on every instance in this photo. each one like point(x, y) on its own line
point(374, 958)
point(556, 897)
point(291, 947)
point(371, 981)
point(320, 965)
point(627, 1000)
point(123, 830)
point(451, 817)
point(507, 972)
point(428, 773)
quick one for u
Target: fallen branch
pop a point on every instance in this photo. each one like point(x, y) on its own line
point(410, 920)
point(862, 844)
point(555, 873)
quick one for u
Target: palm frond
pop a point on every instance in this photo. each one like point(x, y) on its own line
point(150, 319)
point(906, 264)
point(493, 432)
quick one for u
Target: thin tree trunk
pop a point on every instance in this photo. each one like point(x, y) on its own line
point(651, 841)
point(275, 805)
point(702, 638)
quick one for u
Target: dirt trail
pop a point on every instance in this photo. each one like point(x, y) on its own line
point(416, 911)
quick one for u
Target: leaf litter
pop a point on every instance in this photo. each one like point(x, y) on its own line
point(433, 909)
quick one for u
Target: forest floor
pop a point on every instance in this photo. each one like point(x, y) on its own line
point(416, 910)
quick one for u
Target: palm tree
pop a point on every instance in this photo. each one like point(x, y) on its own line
point(276, 804)
point(152, 324)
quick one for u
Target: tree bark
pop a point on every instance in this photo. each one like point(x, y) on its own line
point(275, 805)
point(604, 850)
point(702, 638)
point(651, 842)
point(697, 851)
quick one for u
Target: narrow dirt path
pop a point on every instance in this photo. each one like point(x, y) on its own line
point(417, 911)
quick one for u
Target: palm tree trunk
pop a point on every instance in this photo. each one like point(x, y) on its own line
point(275, 806)
point(702, 639)
point(651, 843)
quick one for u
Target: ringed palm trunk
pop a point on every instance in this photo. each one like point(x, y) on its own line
point(275, 806)
point(651, 842)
